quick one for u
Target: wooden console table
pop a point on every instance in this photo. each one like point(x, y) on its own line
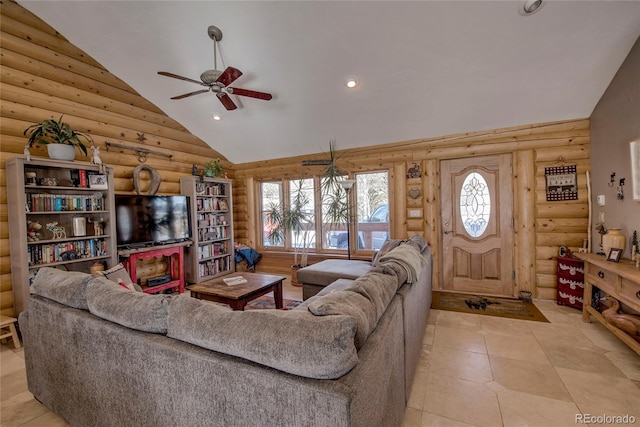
point(619, 280)
point(174, 252)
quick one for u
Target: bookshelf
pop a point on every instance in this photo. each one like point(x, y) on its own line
point(73, 202)
point(212, 252)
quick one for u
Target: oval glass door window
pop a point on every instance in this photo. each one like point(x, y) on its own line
point(475, 204)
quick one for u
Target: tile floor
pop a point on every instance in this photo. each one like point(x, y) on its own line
point(474, 371)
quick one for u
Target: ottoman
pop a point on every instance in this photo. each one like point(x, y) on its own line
point(315, 277)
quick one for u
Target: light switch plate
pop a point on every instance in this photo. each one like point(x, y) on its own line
point(600, 200)
point(415, 213)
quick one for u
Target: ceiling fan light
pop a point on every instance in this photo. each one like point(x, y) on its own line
point(531, 6)
point(351, 83)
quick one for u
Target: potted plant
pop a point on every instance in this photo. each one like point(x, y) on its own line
point(59, 138)
point(296, 218)
point(334, 197)
point(213, 168)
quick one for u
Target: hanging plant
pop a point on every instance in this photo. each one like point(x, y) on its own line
point(334, 198)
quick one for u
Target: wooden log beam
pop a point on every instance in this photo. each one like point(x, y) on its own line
point(22, 96)
point(18, 21)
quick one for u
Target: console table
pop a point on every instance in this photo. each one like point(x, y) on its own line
point(174, 253)
point(618, 280)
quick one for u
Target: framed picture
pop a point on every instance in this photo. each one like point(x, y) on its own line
point(614, 254)
point(635, 168)
point(98, 182)
point(561, 182)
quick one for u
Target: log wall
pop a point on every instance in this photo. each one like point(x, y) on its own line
point(541, 227)
point(43, 76)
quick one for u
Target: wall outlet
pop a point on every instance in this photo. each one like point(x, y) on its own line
point(600, 216)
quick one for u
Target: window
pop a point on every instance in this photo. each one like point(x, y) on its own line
point(271, 202)
point(310, 196)
point(301, 209)
point(372, 200)
point(475, 204)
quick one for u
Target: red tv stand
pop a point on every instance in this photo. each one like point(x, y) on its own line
point(174, 253)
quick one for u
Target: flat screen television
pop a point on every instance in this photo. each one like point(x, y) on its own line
point(143, 220)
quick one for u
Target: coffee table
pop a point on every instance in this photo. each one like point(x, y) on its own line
point(237, 296)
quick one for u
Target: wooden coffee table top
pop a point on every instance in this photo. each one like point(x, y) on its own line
point(255, 283)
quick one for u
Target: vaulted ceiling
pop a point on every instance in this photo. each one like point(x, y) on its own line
point(425, 68)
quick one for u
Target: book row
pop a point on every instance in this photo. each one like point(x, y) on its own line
point(43, 202)
point(67, 251)
point(210, 189)
point(211, 250)
point(212, 204)
point(209, 219)
point(213, 233)
point(214, 266)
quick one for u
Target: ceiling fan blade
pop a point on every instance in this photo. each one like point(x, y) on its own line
point(229, 75)
point(226, 101)
point(191, 94)
point(175, 76)
point(249, 93)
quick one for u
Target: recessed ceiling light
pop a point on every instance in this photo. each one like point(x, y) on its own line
point(530, 7)
point(217, 117)
point(351, 82)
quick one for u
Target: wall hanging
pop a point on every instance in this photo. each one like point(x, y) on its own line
point(562, 182)
point(154, 176)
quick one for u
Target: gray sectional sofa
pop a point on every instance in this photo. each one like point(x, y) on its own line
point(98, 354)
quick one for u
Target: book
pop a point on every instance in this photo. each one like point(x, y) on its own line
point(83, 178)
point(238, 280)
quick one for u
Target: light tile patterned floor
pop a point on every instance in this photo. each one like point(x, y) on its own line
point(488, 371)
point(474, 371)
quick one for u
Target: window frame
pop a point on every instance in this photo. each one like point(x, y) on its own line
point(319, 248)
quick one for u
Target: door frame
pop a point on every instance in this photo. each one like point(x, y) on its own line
point(508, 158)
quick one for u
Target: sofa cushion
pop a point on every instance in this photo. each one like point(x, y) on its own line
point(388, 245)
point(351, 304)
point(337, 285)
point(65, 287)
point(135, 310)
point(329, 270)
point(293, 341)
point(419, 241)
point(379, 286)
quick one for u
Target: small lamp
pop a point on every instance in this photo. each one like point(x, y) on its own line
point(347, 184)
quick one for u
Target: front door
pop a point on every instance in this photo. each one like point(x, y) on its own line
point(477, 225)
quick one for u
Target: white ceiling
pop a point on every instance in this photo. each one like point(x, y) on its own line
point(427, 68)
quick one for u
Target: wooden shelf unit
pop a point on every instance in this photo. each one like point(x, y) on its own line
point(59, 203)
point(174, 255)
point(211, 206)
point(618, 280)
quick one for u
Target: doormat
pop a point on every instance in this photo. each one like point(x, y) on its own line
point(491, 306)
point(265, 302)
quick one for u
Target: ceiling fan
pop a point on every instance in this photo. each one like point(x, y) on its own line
point(218, 81)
